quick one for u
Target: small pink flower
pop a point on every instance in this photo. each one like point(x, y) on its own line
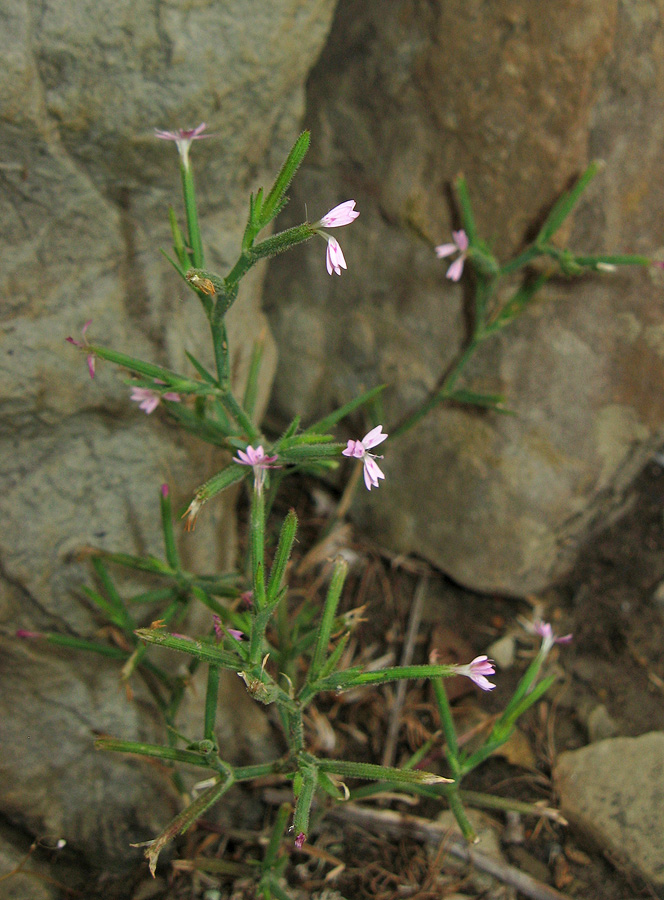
point(259, 461)
point(28, 635)
point(299, 840)
point(343, 214)
point(545, 631)
point(236, 634)
point(247, 599)
point(165, 491)
point(148, 399)
point(461, 245)
point(83, 345)
point(359, 450)
point(218, 630)
point(334, 258)
point(477, 670)
point(183, 138)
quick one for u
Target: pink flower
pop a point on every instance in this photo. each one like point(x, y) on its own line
point(148, 399)
point(299, 840)
point(359, 450)
point(219, 630)
point(183, 138)
point(461, 245)
point(259, 461)
point(477, 670)
point(334, 258)
point(545, 631)
point(83, 345)
point(343, 214)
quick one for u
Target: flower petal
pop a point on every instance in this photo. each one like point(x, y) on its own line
point(372, 472)
point(461, 240)
point(343, 214)
point(334, 258)
point(444, 250)
point(374, 437)
point(455, 270)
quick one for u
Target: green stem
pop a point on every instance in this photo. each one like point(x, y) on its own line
point(443, 391)
point(191, 212)
point(447, 723)
point(211, 697)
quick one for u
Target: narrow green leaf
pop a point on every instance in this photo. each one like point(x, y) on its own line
point(467, 217)
point(197, 648)
point(565, 204)
point(327, 618)
point(185, 819)
point(281, 557)
point(330, 421)
point(121, 617)
point(202, 371)
point(158, 595)
point(282, 241)
point(154, 750)
point(284, 178)
point(170, 546)
point(172, 380)
point(140, 563)
point(370, 771)
point(178, 241)
point(304, 799)
point(489, 401)
point(211, 701)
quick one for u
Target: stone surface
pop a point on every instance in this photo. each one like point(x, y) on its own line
point(613, 791)
point(27, 882)
point(83, 213)
point(519, 97)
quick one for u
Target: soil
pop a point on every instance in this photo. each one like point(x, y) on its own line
point(611, 682)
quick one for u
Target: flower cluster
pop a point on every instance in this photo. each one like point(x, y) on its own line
point(343, 214)
point(460, 245)
point(359, 450)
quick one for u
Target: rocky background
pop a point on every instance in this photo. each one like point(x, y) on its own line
point(85, 193)
point(405, 94)
point(519, 98)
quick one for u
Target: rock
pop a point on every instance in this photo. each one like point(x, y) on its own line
point(86, 187)
point(404, 97)
point(488, 845)
point(613, 792)
point(28, 884)
point(502, 651)
point(600, 724)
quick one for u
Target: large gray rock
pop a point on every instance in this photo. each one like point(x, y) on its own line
point(518, 96)
point(83, 213)
point(613, 791)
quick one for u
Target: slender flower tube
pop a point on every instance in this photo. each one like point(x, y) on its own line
point(256, 458)
point(83, 345)
point(476, 670)
point(359, 450)
point(149, 399)
point(343, 214)
point(183, 138)
point(461, 245)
